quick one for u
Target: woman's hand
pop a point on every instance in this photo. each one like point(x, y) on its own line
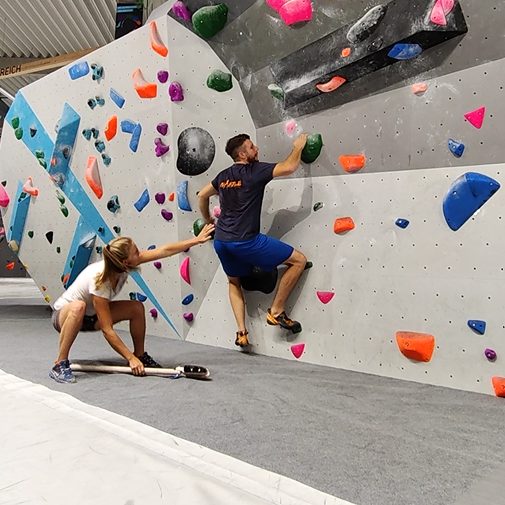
point(206, 234)
point(136, 365)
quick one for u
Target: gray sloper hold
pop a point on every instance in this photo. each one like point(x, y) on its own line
point(196, 151)
point(365, 26)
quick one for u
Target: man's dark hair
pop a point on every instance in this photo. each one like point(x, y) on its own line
point(234, 144)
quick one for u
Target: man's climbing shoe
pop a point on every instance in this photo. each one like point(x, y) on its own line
point(148, 361)
point(62, 373)
point(241, 338)
point(283, 321)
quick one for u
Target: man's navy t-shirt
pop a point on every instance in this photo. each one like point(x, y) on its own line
point(241, 188)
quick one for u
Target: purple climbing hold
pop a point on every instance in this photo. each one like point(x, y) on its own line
point(161, 149)
point(166, 214)
point(163, 76)
point(154, 313)
point(179, 10)
point(176, 92)
point(160, 198)
point(188, 316)
point(157, 264)
point(162, 128)
point(490, 354)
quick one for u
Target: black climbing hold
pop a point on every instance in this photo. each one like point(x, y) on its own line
point(365, 26)
point(33, 131)
point(196, 151)
point(49, 236)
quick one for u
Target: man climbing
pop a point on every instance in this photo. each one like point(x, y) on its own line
point(238, 241)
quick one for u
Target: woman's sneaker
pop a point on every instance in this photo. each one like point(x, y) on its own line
point(149, 362)
point(61, 372)
point(283, 321)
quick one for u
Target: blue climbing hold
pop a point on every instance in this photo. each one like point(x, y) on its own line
point(106, 159)
point(188, 299)
point(134, 141)
point(142, 201)
point(405, 51)
point(151, 247)
point(477, 326)
point(78, 70)
point(100, 146)
point(97, 71)
point(127, 126)
point(467, 195)
point(456, 148)
point(182, 196)
point(141, 297)
point(87, 134)
point(116, 98)
point(402, 223)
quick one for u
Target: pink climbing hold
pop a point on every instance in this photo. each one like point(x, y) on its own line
point(290, 127)
point(447, 5)
point(157, 265)
point(292, 11)
point(188, 316)
point(275, 4)
point(216, 212)
point(325, 296)
point(419, 88)
point(184, 270)
point(476, 117)
point(297, 350)
point(437, 15)
point(154, 313)
point(4, 197)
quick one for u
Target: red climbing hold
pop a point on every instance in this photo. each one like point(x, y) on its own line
point(332, 84)
point(415, 346)
point(499, 386)
point(111, 128)
point(346, 52)
point(343, 224)
point(325, 296)
point(10, 266)
point(352, 163)
point(171, 197)
point(184, 270)
point(476, 117)
point(297, 350)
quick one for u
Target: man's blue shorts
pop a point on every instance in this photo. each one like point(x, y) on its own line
point(239, 258)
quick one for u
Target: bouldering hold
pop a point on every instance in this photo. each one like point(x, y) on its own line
point(333, 84)
point(101, 230)
point(352, 163)
point(260, 280)
point(60, 197)
point(292, 11)
point(117, 229)
point(179, 10)
point(39, 154)
point(64, 210)
point(135, 139)
point(343, 224)
point(160, 198)
point(476, 117)
point(176, 92)
point(402, 223)
point(276, 91)
point(325, 296)
point(100, 146)
point(116, 98)
point(10, 265)
point(162, 128)
point(151, 247)
point(127, 126)
point(216, 212)
point(106, 159)
point(456, 148)
point(99, 249)
point(182, 196)
point(15, 122)
point(156, 43)
point(78, 70)
point(143, 88)
point(219, 81)
point(97, 71)
point(415, 346)
point(18, 132)
point(440, 10)
point(111, 128)
point(162, 76)
point(141, 297)
point(366, 25)
point(171, 197)
point(419, 88)
point(499, 386)
point(95, 133)
point(160, 148)
point(467, 195)
point(188, 299)
point(87, 134)
point(154, 313)
point(13, 246)
point(317, 206)
point(167, 215)
point(4, 197)
point(157, 265)
point(196, 151)
point(312, 148)
point(30, 234)
point(198, 226)
point(402, 51)
point(91, 103)
point(346, 52)
point(209, 20)
point(184, 270)
point(113, 204)
point(132, 295)
point(188, 316)
point(92, 177)
point(50, 236)
point(290, 127)
point(477, 325)
point(297, 350)
point(490, 354)
point(142, 201)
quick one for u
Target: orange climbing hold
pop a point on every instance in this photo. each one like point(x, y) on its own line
point(346, 52)
point(143, 88)
point(156, 42)
point(352, 163)
point(415, 346)
point(10, 266)
point(93, 177)
point(111, 128)
point(332, 84)
point(28, 187)
point(65, 279)
point(499, 386)
point(171, 197)
point(419, 88)
point(343, 224)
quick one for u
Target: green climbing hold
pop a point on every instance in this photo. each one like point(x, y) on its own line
point(72, 264)
point(277, 91)
point(198, 226)
point(64, 210)
point(30, 234)
point(19, 133)
point(99, 249)
point(58, 249)
point(43, 163)
point(308, 265)
point(317, 206)
point(60, 197)
point(312, 148)
point(15, 122)
point(220, 81)
point(39, 154)
point(209, 20)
